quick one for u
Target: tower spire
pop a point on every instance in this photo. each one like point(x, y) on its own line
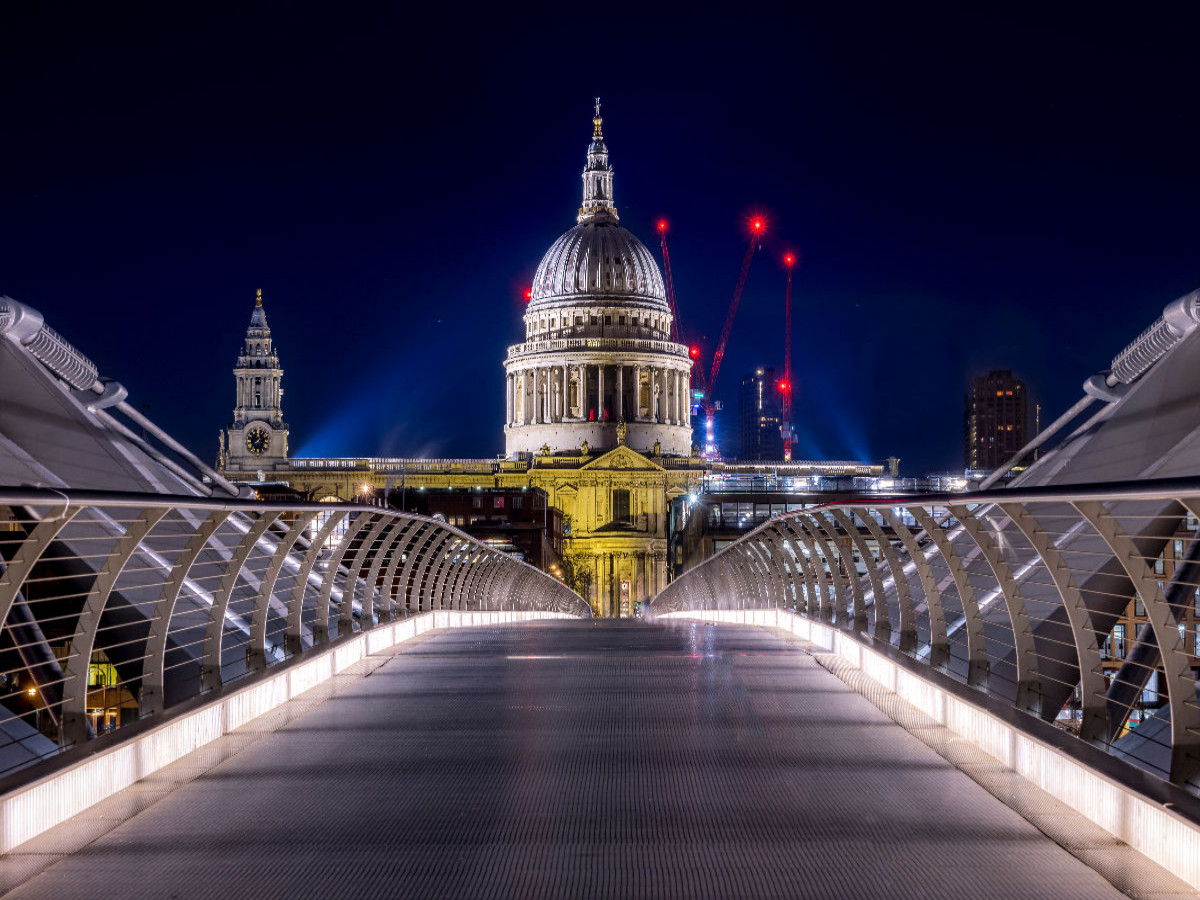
point(257, 437)
point(597, 178)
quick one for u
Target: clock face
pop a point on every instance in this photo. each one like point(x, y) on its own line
point(257, 441)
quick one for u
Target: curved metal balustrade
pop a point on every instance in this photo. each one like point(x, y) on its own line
point(118, 606)
point(1079, 605)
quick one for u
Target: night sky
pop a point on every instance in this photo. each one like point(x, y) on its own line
point(969, 191)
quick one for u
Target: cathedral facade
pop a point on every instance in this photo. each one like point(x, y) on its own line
point(597, 412)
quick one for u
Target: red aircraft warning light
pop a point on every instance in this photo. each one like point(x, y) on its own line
point(694, 353)
point(528, 294)
point(662, 224)
point(758, 224)
point(789, 260)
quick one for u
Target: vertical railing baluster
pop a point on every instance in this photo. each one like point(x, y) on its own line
point(977, 658)
point(210, 661)
point(1029, 682)
point(79, 654)
point(1094, 726)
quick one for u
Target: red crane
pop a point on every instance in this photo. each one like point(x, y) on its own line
point(662, 234)
point(785, 386)
point(676, 325)
point(758, 226)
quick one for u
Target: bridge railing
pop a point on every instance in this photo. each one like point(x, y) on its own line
point(116, 607)
point(1079, 605)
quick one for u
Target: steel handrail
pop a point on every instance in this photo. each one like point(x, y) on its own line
point(162, 597)
point(1008, 591)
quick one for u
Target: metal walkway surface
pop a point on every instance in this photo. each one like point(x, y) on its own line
point(581, 759)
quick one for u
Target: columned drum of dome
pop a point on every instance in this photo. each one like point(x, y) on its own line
point(598, 365)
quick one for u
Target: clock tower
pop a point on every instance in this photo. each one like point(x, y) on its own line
point(257, 439)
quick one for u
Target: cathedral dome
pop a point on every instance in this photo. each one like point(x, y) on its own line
point(598, 368)
point(598, 258)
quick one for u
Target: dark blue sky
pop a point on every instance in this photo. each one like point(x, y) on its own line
point(969, 190)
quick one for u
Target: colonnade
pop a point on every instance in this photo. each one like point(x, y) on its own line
point(577, 393)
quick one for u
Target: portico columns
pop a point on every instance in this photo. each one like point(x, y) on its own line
point(652, 383)
point(681, 378)
point(666, 393)
point(583, 392)
point(533, 413)
point(565, 394)
point(670, 396)
point(522, 410)
point(675, 379)
point(620, 393)
point(637, 393)
point(600, 390)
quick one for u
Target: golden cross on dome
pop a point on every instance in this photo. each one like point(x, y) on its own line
point(596, 121)
point(258, 299)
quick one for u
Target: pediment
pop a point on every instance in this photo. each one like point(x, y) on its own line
point(624, 459)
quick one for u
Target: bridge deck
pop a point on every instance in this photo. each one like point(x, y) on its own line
point(583, 759)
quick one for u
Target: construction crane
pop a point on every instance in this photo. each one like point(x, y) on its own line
point(785, 386)
point(670, 282)
point(758, 227)
point(709, 406)
point(676, 325)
